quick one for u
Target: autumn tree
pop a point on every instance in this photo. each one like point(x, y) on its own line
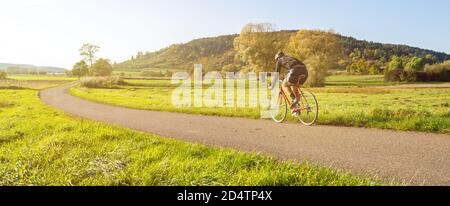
point(101, 67)
point(257, 45)
point(80, 69)
point(395, 63)
point(320, 51)
point(415, 64)
point(88, 52)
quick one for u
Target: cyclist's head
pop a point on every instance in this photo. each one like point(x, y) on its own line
point(279, 55)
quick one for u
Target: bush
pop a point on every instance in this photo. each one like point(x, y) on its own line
point(3, 75)
point(102, 82)
point(393, 75)
point(438, 72)
point(414, 76)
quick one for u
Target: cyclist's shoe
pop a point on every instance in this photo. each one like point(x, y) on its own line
point(295, 112)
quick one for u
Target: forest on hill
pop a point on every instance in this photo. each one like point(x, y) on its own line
point(220, 54)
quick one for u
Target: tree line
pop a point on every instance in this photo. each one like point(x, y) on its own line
point(253, 50)
point(90, 65)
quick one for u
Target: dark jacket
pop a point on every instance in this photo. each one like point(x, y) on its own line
point(288, 63)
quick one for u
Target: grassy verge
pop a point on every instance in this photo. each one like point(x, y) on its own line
point(425, 109)
point(41, 146)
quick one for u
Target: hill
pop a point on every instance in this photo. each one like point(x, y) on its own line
point(25, 68)
point(218, 52)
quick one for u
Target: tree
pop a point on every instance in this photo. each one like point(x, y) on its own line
point(88, 52)
point(319, 50)
point(3, 75)
point(101, 67)
point(415, 64)
point(80, 69)
point(394, 69)
point(257, 45)
point(395, 63)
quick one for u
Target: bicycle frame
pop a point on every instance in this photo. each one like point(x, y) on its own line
point(303, 101)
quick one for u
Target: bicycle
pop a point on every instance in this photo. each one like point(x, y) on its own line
point(307, 107)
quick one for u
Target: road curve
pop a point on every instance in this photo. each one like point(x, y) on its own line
point(410, 157)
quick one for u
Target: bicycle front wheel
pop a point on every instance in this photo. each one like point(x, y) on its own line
point(309, 109)
point(279, 109)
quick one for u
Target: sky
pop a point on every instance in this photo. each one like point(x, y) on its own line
point(50, 32)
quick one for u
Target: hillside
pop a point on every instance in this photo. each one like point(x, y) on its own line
point(25, 68)
point(218, 52)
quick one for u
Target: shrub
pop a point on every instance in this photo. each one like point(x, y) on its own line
point(438, 72)
point(394, 75)
point(151, 73)
point(415, 76)
point(102, 82)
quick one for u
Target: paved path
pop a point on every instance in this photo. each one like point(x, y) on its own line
point(411, 157)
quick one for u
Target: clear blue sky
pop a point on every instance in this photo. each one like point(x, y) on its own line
point(50, 32)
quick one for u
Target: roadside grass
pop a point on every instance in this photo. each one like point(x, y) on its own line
point(42, 146)
point(408, 109)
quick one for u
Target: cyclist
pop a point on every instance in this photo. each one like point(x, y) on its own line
point(296, 76)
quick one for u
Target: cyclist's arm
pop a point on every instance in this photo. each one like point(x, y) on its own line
point(278, 67)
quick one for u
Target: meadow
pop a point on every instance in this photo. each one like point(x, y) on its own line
point(34, 82)
point(357, 101)
point(43, 146)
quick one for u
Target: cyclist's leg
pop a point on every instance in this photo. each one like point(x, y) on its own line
point(292, 81)
point(296, 90)
point(287, 84)
point(287, 87)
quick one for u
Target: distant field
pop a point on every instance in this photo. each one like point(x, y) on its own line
point(30, 84)
point(426, 110)
point(42, 146)
point(357, 80)
point(127, 73)
point(137, 73)
point(49, 77)
point(33, 82)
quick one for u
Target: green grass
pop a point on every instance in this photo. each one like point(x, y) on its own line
point(357, 80)
point(137, 73)
point(42, 146)
point(426, 110)
point(127, 73)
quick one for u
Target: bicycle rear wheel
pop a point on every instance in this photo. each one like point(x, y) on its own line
point(279, 109)
point(309, 109)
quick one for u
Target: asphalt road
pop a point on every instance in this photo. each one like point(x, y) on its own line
point(413, 158)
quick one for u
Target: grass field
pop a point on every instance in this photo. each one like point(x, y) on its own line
point(341, 103)
point(137, 73)
point(42, 146)
point(33, 82)
point(357, 80)
point(42, 78)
